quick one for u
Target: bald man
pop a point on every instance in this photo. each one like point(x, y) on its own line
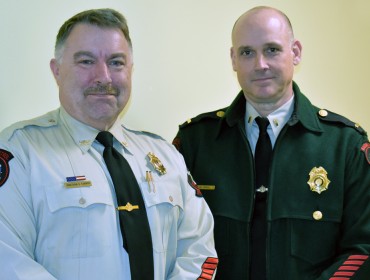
point(303, 211)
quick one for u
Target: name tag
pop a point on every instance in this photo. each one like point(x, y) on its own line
point(77, 184)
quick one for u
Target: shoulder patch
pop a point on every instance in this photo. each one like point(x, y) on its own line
point(366, 149)
point(329, 116)
point(177, 143)
point(5, 157)
point(209, 115)
point(194, 185)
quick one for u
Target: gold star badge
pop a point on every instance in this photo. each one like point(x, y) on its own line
point(157, 164)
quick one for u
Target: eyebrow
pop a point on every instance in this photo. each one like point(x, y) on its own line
point(78, 54)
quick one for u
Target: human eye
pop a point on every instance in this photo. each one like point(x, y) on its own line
point(246, 52)
point(117, 63)
point(86, 61)
point(272, 50)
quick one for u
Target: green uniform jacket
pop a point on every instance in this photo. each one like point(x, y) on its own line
point(310, 235)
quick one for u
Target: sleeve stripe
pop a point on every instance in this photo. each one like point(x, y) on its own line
point(349, 267)
point(344, 273)
point(358, 257)
point(208, 269)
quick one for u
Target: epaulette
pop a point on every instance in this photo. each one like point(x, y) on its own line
point(209, 115)
point(8, 132)
point(150, 134)
point(329, 116)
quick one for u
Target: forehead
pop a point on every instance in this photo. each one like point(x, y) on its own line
point(259, 28)
point(86, 37)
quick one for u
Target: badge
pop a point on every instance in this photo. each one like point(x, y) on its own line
point(318, 181)
point(77, 182)
point(365, 148)
point(5, 157)
point(194, 185)
point(157, 164)
point(128, 207)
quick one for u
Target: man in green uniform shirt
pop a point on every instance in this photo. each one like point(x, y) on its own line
point(315, 205)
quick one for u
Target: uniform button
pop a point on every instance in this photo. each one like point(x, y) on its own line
point(171, 198)
point(82, 201)
point(317, 215)
point(323, 113)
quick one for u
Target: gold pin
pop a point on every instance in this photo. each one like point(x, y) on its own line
point(318, 181)
point(249, 119)
point(150, 180)
point(220, 114)
point(85, 142)
point(276, 122)
point(157, 164)
point(128, 207)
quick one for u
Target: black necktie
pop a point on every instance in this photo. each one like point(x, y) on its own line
point(131, 208)
point(262, 160)
point(262, 155)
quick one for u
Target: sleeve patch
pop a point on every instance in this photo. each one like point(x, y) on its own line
point(194, 185)
point(5, 157)
point(366, 149)
point(177, 142)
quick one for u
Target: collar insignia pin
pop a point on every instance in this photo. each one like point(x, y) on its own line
point(157, 164)
point(318, 181)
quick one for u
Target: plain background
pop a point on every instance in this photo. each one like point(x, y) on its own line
point(181, 53)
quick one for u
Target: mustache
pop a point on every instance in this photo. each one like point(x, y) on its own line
point(102, 89)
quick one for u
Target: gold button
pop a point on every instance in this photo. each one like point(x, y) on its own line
point(357, 125)
point(317, 215)
point(188, 121)
point(220, 114)
point(323, 113)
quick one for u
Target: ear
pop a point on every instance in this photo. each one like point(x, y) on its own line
point(54, 66)
point(233, 58)
point(297, 52)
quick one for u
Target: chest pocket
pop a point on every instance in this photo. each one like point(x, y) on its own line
point(164, 207)
point(81, 222)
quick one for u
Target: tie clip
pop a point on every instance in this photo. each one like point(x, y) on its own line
point(262, 189)
point(128, 207)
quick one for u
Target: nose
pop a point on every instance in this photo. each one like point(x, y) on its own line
point(102, 73)
point(261, 62)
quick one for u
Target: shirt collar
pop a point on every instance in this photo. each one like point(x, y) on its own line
point(277, 119)
point(84, 135)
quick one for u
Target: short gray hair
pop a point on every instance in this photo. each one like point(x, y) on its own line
point(104, 18)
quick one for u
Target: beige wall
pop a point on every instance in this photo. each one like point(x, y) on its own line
point(181, 49)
